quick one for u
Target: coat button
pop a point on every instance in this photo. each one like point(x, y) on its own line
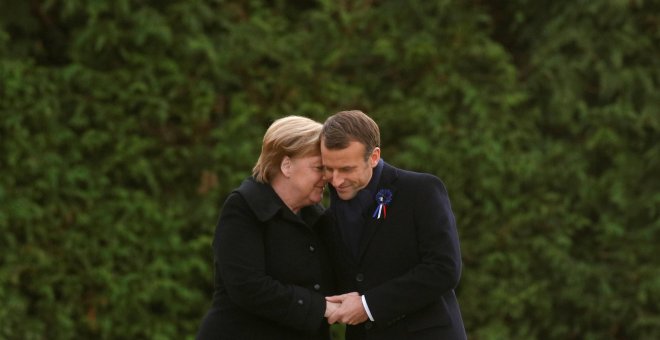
point(317, 287)
point(311, 248)
point(368, 325)
point(300, 302)
point(359, 277)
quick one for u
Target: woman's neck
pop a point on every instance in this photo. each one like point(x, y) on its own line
point(281, 187)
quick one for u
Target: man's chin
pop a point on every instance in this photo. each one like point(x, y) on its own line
point(346, 195)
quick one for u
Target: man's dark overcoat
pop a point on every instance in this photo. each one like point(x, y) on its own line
point(408, 262)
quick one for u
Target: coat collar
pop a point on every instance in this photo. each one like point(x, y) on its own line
point(388, 177)
point(265, 203)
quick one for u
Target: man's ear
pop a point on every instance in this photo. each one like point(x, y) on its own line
point(285, 166)
point(374, 157)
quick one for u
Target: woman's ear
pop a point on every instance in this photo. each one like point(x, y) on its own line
point(285, 166)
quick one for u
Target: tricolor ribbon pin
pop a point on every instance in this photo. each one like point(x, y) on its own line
point(383, 198)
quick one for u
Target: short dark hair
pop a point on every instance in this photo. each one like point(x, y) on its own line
point(347, 126)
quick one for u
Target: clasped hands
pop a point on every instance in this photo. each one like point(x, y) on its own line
point(346, 308)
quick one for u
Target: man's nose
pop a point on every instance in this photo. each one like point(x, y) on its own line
point(330, 177)
point(336, 180)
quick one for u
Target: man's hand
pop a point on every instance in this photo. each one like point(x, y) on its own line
point(351, 311)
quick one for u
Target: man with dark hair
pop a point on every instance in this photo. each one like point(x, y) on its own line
point(395, 243)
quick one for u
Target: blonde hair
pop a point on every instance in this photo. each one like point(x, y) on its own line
point(292, 136)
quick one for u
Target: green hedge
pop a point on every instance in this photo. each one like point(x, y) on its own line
point(125, 123)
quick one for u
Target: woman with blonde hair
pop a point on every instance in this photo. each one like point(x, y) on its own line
point(272, 270)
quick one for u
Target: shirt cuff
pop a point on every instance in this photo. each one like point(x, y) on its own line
point(366, 308)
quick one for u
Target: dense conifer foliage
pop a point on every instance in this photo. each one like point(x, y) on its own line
point(124, 124)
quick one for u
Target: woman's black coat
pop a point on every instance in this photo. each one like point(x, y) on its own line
point(272, 271)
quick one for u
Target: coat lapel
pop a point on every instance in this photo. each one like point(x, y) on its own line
point(387, 181)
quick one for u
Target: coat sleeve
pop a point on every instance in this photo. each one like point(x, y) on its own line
point(238, 247)
point(439, 267)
